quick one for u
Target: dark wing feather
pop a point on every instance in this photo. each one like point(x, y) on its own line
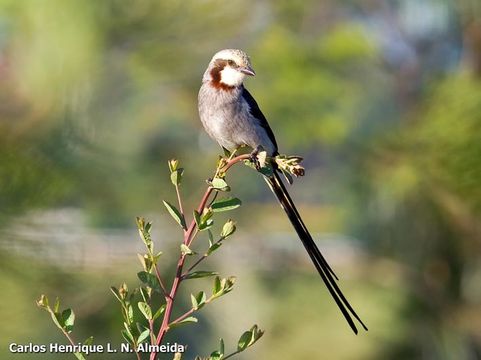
point(257, 113)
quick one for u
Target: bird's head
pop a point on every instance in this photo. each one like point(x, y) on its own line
point(228, 68)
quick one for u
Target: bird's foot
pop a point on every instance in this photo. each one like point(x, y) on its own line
point(254, 157)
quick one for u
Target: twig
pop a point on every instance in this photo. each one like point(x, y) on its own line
point(197, 263)
point(157, 274)
point(189, 236)
point(179, 200)
point(151, 327)
point(231, 355)
point(203, 257)
point(182, 317)
point(137, 353)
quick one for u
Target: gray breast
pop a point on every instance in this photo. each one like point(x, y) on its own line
point(227, 119)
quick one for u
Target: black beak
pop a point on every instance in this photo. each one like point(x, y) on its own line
point(247, 70)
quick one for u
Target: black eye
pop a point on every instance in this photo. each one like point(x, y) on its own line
point(231, 62)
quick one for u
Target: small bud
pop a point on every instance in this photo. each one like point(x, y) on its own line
point(228, 229)
point(42, 302)
point(173, 165)
point(185, 250)
point(123, 291)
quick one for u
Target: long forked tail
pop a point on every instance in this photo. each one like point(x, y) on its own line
point(327, 274)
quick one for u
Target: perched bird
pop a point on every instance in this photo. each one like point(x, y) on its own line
point(231, 116)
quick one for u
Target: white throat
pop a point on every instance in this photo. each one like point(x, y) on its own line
point(231, 77)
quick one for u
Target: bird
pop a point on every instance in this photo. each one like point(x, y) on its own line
point(231, 116)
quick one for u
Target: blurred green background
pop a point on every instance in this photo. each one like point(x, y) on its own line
point(381, 98)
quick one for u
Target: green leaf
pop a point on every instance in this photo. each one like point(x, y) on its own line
point(142, 261)
point(244, 340)
point(185, 250)
point(213, 247)
point(206, 219)
point(218, 354)
point(199, 300)
point(188, 320)
point(199, 274)
point(79, 356)
point(223, 286)
point(68, 319)
point(57, 319)
point(149, 279)
point(207, 224)
point(215, 355)
point(144, 232)
point(144, 335)
point(159, 312)
point(145, 309)
point(206, 215)
point(226, 204)
point(130, 313)
point(257, 334)
point(228, 229)
point(148, 226)
point(211, 238)
point(116, 293)
point(143, 293)
point(197, 218)
point(220, 184)
point(217, 286)
point(56, 305)
point(175, 214)
point(194, 302)
point(248, 338)
point(266, 170)
point(229, 284)
point(221, 346)
point(127, 336)
point(42, 302)
point(176, 176)
point(203, 221)
point(89, 341)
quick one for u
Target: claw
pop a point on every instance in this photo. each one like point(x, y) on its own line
point(254, 159)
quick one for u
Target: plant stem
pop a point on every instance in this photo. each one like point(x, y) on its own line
point(71, 341)
point(203, 257)
point(189, 236)
point(179, 200)
point(151, 327)
point(164, 290)
point(196, 263)
point(68, 337)
point(231, 355)
point(182, 317)
point(138, 355)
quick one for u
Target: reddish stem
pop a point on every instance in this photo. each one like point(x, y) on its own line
point(189, 236)
point(164, 290)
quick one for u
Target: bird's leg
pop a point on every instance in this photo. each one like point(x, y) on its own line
point(253, 157)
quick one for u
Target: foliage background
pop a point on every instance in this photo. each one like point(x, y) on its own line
point(382, 98)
